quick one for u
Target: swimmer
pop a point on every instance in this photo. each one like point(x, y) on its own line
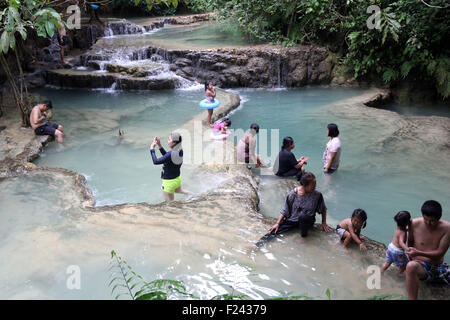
point(210, 93)
point(171, 161)
point(349, 229)
point(396, 249)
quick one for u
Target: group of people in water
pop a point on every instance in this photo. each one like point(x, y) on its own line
point(424, 240)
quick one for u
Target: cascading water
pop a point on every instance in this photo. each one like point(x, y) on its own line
point(108, 32)
point(308, 67)
point(279, 71)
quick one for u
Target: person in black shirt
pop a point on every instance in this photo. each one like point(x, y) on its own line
point(286, 165)
point(299, 210)
point(171, 161)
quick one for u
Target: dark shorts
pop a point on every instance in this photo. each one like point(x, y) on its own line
point(436, 273)
point(48, 128)
point(62, 41)
point(330, 171)
point(293, 172)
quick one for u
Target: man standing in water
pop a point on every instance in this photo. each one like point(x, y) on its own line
point(428, 241)
point(41, 126)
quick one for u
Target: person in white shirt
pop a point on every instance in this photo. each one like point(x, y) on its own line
point(332, 153)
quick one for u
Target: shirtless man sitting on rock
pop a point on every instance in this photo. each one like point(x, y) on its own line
point(428, 241)
point(41, 126)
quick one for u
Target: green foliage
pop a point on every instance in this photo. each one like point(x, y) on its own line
point(18, 18)
point(387, 297)
point(328, 293)
point(408, 45)
point(149, 7)
point(199, 5)
point(125, 282)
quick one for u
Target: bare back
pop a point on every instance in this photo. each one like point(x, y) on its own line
point(426, 239)
point(36, 120)
point(62, 29)
point(399, 238)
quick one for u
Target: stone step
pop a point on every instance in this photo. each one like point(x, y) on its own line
point(65, 78)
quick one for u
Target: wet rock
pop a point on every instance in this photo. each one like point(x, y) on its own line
point(188, 19)
point(124, 27)
point(252, 67)
point(182, 62)
point(86, 79)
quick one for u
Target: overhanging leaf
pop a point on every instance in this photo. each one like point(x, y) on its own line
point(4, 42)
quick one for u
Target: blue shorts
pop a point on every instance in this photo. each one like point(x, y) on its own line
point(48, 128)
point(436, 273)
point(396, 256)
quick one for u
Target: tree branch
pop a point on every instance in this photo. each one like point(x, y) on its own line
point(437, 7)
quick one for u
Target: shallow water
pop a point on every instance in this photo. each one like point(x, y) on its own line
point(381, 170)
point(121, 170)
point(203, 244)
point(419, 109)
point(199, 36)
point(204, 248)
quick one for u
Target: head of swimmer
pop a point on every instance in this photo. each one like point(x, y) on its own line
point(359, 218)
point(208, 85)
point(288, 143)
point(174, 140)
point(45, 105)
point(308, 182)
point(332, 130)
point(431, 213)
point(254, 129)
point(227, 122)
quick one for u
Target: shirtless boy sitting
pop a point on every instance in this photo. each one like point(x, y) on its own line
point(41, 126)
point(428, 241)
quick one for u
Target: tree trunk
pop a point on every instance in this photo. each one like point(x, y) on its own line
point(17, 94)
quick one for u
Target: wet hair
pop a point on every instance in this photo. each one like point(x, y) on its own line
point(432, 208)
point(333, 130)
point(255, 127)
point(360, 214)
point(48, 103)
point(403, 219)
point(227, 122)
point(287, 142)
point(307, 178)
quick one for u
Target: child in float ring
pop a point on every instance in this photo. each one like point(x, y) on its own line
point(220, 131)
point(210, 93)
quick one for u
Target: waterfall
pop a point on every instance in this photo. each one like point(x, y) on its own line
point(279, 71)
point(112, 89)
point(308, 67)
point(108, 32)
